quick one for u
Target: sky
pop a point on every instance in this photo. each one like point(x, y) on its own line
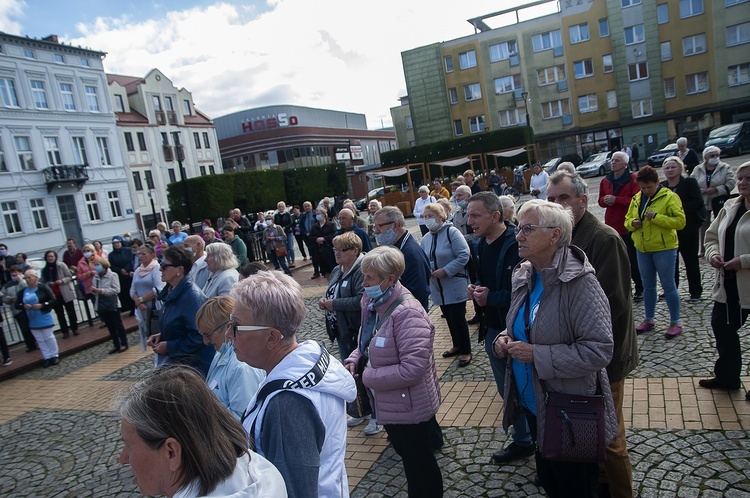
point(233, 55)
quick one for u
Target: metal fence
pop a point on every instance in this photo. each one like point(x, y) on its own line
point(84, 312)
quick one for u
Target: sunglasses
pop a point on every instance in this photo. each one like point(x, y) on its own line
point(244, 328)
point(167, 265)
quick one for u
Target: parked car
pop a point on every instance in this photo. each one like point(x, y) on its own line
point(657, 158)
point(595, 164)
point(551, 165)
point(732, 139)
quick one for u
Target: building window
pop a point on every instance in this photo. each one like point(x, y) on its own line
point(188, 108)
point(212, 171)
point(512, 117)
point(206, 143)
point(555, 108)
point(666, 51)
point(583, 69)
point(85, 62)
point(119, 106)
point(458, 127)
point(39, 214)
point(448, 61)
point(3, 164)
point(692, 45)
point(66, 91)
point(92, 207)
point(587, 103)
point(729, 3)
point(8, 89)
point(467, 59)
point(102, 148)
point(453, 95)
point(634, 34)
point(25, 157)
point(472, 92)
point(738, 75)
point(507, 84)
point(79, 151)
point(629, 3)
point(137, 180)
point(59, 58)
point(738, 34)
point(550, 75)
point(641, 108)
point(114, 203)
point(546, 41)
point(603, 27)
point(149, 179)
point(168, 103)
point(579, 33)
point(612, 99)
point(637, 71)
point(91, 98)
point(172, 178)
point(39, 95)
point(197, 139)
point(203, 170)
point(669, 88)
point(164, 138)
point(409, 123)
point(52, 146)
point(503, 51)
point(129, 142)
point(662, 13)
point(11, 218)
point(157, 102)
point(696, 83)
point(607, 63)
point(141, 141)
point(28, 53)
point(476, 123)
point(690, 8)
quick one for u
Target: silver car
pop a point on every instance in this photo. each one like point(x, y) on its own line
point(595, 164)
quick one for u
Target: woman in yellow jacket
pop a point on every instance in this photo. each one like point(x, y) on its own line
point(654, 216)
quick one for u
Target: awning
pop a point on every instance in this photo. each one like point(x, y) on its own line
point(392, 172)
point(509, 153)
point(454, 162)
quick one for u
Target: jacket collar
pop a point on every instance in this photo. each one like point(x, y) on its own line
point(167, 296)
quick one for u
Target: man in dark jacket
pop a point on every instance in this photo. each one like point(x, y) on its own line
point(497, 252)
point(244, 231)
point(608, 255)
point(306, 222)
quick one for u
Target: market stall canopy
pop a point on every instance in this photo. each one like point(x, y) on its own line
point(391, 172)
point(453, 162)
point(509, 153)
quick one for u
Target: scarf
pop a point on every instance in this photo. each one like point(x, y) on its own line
point(368, 327)
point(143, 271)
point(618, 183)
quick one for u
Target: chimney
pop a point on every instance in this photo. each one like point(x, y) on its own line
point(51, 38)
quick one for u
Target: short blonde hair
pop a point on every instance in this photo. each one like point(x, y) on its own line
point(470, 173)
point(385, 261)
point(348, 240)
point(223, 255)
point(281, 206)
point(275, 300)
point(89, 247)
point(161, 225)
point(437, 209)
point(447, 208)
point(214, 312)
point(154, 233)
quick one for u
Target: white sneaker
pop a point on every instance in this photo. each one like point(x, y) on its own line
point(373, 428)
point(353, 422)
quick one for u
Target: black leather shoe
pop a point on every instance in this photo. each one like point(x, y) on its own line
point(715, 383)
point(473, 321)
point(512, 452)
point(116, 350)
point(464, 363)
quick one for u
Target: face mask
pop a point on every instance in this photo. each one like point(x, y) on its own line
point(203, 227)
point(98, 268)
point(21, 265)
point(462, 204)
point(387, 238)
point(3, 252)
point(374, 292)
point(319, 217)
point(225, 347)
point(713, 160)
point(431, 224)
point(126, 239)
point(87, 255)
point(17, 278)
point(188, 249)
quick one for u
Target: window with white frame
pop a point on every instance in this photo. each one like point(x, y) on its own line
point(583, 69)
point(66, 92)
point(8, 91)
point(507, 84)
point(472, 92)
point(3, 164)
point(603, 27)
point(458, 127)
point(206, 143)
point(212, 170)
point(453, 95)
point(59, 58)
point(409, 123)
point(476, 123)
point(129, 145)
point(662, 13)
point(587, 103)
point(137, 183)
point(448, 61)
point(641, 108)
point(608, 63)
point(630, 3)
point(102, 147)
point(467, 59)
point(114, 203)
point(555, 108)
point(23, 149)
point(92, 206)
point(39, 214)
point(637, 71)
point(119, 106)
point(551, 75)
point(157, 102)
point(739, 74)
point(612, 99)
point(666, 50)
point(738, 34)
point(141, 141)
point(91, 98)
point(503, 51)
point(28, 53)
point(694, 44)
point(11, 217)
point(188, 108)
point(670, 91)
point(79, 151)
point(85, 62)
point(38, 94)
point(696, 83)
point(511, 117)
point(52, 146)
point(579, 33)
point(203, 170)
point(168, 103)
point(172, 177)
point(546, 41)
point(690, 8)
point(149, 179)
point(635, 34)
point(197, 138)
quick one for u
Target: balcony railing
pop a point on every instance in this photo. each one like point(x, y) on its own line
point(65, 175)
point(160, 118)
point(172, 117)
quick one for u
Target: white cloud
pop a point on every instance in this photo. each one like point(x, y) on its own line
point(10, 10)
point(335, 54)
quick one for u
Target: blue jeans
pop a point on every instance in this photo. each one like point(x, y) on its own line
point(520, 433)
point(662, 263)
point(289, 243)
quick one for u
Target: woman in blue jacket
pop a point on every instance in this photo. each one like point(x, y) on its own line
point(37, 300)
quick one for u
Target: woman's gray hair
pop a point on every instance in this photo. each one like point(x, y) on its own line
point(175, 402)
point(711, 149)
point(384, 261)
point(681, 141)
point(675, 159)
point(223, 255)
point(742, 166)
point(275, 300)
point(377, 202)
point(424, 188)
point(551, 215)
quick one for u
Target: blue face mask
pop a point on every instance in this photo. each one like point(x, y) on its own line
point(98, 268)
point(462, 204)
point(21, 265)
point(374, 292)
point(225, 348)
point(3, 252)
point(387, 238)
point(126, 239)
point(319, 217)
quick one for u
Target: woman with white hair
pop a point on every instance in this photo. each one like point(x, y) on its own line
point(424, 199)
point(36, 301)
point(688, 156)
point(373, 207)
point(509, 208)
point(222, 263)
point(716, 180)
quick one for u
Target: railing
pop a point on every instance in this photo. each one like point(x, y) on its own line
point(172, 117)
point(13, 334)
point(160, 118)
point(56, 175)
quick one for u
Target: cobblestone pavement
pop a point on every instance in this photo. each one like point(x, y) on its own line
point(58, 436)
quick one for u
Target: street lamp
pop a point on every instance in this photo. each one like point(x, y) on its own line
point(180, 153)
point(153, 209)
point(525, 97)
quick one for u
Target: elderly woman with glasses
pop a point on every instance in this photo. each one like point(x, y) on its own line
point(222, 265)
point(231, 380)
point(560, 333)
point(179, 340)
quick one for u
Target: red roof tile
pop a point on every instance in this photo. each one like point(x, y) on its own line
point(129, 82)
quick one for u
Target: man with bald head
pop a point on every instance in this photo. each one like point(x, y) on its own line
point(199, 272)
point(347, 221)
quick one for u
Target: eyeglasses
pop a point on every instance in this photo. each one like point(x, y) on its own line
point(208, 336)
point(166, 265)
point(528, 229)
point(244, 328)
point(381, 225)
point(337, 250)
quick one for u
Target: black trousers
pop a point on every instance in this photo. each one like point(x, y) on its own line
point(635, 273)
point(301, 244)
point(565, 479)
point(125, 300)
point(4, 345)
point(313, 255)
point(23, 324)
point(412, 443)
point(455, 315)
point(726, 320)
point(688, 248)
point(60, 307)
point(114, 324)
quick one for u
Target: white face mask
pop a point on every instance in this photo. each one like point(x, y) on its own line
point(713, 160)
point(431, 224)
